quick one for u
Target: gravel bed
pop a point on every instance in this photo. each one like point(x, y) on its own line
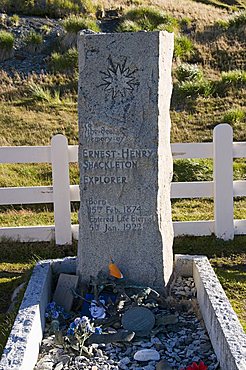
point(181, 341)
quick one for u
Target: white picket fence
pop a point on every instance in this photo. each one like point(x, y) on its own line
point(223, 189)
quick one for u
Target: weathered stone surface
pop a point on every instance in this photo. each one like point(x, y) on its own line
point(125, 156)
point(147, 355)
point(63, 293)
point(138, 319)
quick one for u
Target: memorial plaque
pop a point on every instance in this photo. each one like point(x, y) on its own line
point(125, 155)
point(63, 295)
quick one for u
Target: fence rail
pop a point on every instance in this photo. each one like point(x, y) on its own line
point(223, 189)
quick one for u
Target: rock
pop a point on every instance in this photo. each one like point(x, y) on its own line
point(147, 355)
point(120, 336)
point(166, 320)
point(125, 361)
point(163, 365)
point(138, 319)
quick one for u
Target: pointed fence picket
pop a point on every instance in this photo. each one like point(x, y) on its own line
point(222, 189)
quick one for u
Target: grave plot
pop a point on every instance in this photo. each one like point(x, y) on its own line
point(142, 314)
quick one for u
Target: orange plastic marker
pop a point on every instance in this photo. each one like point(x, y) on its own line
point(114, 270)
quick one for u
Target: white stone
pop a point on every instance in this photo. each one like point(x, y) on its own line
point(147, 355)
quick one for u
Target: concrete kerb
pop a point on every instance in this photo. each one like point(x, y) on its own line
point(22, 348)
point(224, 329)
point(222, 324)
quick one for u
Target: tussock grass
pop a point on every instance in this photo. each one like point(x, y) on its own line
point(149, 19)
point(235, 115)
point(188, 72)
point(64, 62)
point(75, 23)
point(51, 8)
point(15, 20)
point(234, 78)
point(6, 40)
point(33, 38)
point(194, 88)
point(183, 47)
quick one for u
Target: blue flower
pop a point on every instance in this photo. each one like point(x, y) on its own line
point(55, 315)
point(73, 325)
point(77, 321)
point(98, 330)
point(70, 331)
point(51, 306)
point(66, 315)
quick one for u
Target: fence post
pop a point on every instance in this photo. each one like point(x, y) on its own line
point(223, 182)
point(61, 189)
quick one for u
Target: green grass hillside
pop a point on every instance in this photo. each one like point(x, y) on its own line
point(209, 88)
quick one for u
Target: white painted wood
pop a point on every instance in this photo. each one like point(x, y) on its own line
point(74, 193)
point(192, 189)
point(25, 154)
point(223, 182)
point(26, 195)
point(239, 188)
point(61, 189)
point(73, 153)
point(196, 228)
point(60, 154)
point(28, 233)
point(75, 231)
point(192, 150)
point(239, 150)
point(240, 227)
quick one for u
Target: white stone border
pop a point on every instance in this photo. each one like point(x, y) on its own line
point(224, 329)
point(22, 348)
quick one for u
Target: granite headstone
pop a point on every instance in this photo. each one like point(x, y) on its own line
point(63, 295)
point(125, 155)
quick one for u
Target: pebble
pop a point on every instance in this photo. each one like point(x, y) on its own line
point(147, 355)
point(181, 343)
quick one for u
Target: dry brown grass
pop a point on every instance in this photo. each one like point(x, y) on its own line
point(203, 14)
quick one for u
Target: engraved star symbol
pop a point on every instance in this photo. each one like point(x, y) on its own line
point(119, 79)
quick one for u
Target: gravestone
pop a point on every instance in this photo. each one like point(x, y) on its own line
point(125, 156)
point(63, 295)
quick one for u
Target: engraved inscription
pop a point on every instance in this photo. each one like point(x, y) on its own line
point(118, 79)
point(102, 135)
point(113, 160)
point(104, 217)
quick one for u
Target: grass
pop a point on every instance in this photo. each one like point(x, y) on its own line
point(236, 115)
point(33, 38)
point(6, 40)
point(188, 72)
point(193, 88)
point(234, 78)
point(149, 19)
point(75, 23)
point(51, 8)
point(64, 62)
point(183, 47)
point(15, 20)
